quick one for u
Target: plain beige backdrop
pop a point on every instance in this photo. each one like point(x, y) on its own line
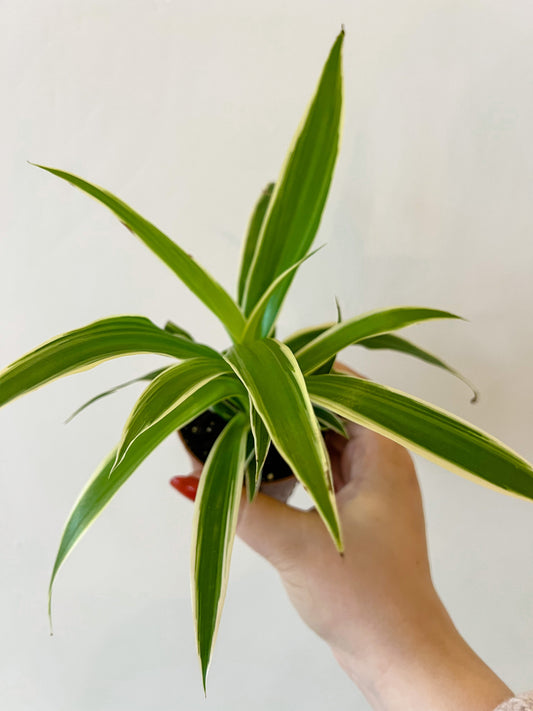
point(185, 110)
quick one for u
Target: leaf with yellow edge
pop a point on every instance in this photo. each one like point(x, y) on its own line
point(215, 520)
point(270, 373)
point(434, 433)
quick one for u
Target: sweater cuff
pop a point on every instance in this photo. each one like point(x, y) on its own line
point(522, 702)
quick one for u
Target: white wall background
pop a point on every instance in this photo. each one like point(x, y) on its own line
point(185, 110)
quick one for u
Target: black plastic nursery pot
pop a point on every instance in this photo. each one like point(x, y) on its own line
point(200, 435)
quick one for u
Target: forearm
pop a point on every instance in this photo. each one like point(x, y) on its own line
point(431, 667)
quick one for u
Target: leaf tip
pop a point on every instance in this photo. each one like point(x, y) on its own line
point(475, 391)
point(339, 42)
point(50, 622)
point(127, 226)
point(336, 535)
point(339, 311)
point(72, 416)
point(205, 668)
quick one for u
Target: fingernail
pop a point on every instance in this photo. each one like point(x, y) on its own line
point(186, 485)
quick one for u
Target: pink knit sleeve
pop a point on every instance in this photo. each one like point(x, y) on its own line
point(522, 702)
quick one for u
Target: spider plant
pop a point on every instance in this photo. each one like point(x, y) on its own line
point(270, 390)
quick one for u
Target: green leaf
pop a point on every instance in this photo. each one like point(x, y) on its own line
point(149, 376)
point(172, 327)
point(215, 520)
point(103, 486)
point(261, 445)
point(301, 338)
point(425, 429)
point(165, 394)
point(297, 340)
point(250, 465)
point(329, 421)
point(341, 335)
point(296, 206)
point(86, 347)
point(394, 343)
point(226, 409)
point(327, 367)
point(258, 324)
point(192, 274)
point(254, 227)
point(276, 386)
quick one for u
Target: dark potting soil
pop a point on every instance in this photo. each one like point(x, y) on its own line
point(200, 436)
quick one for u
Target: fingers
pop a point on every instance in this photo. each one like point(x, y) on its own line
point(187, 485)
point(369, 464)
point(344, 453)
point(196, 464)
point(369, 450)
point(279, 489)
point(271, 528)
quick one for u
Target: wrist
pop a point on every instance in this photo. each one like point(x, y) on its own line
point(424, 664)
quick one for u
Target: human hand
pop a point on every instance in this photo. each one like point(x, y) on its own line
point(375, 606)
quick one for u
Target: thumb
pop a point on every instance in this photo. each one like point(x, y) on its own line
point(273, 529)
